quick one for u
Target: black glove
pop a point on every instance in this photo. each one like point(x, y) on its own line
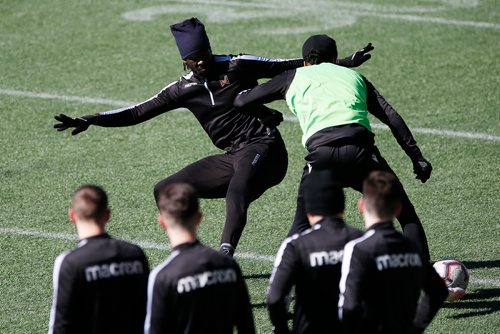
point(80, 123)
point(272, 118)
point(357, 58)
point(422, 168)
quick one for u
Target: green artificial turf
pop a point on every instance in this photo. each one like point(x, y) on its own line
point(437, 71)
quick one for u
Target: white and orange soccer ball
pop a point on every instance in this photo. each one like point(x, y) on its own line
point(455, 275)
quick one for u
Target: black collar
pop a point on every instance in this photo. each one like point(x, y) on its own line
point(186, 245)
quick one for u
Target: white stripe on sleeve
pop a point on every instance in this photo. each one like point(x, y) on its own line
point(346, 264)
point(151, 283)
point(55, 279)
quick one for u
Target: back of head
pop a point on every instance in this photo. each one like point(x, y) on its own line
point(89, 202)
point(381, 194)
point(319, 49)
point(322, 195)
point(179, 202)
point(190, 37)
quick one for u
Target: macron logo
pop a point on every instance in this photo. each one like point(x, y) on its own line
point(392, 261)
point(318, 259)
point(113, 269)
point(205, 279)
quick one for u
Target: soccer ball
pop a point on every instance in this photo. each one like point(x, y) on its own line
point(455, 276)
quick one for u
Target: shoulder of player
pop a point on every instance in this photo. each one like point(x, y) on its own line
point(190, 261)
point(363, 243)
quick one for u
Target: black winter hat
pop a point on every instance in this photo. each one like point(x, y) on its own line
point(323, 196)
point(190, 37)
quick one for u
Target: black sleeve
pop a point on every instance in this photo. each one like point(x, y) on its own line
point(244, 322)
point(259, 67)
point(158, 309)
point(64, 304)
point(381, 109)
point(351, 286)
point(274, 89)
point(435, 293)
point(167, 99)
point(280, 284)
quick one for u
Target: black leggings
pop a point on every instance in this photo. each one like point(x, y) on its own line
point(241, 177)
point(352, 165)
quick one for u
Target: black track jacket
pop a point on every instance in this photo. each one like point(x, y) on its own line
point(197, 290)
point(383, 275)
point(311, 261)
point(100, 287)
point(210, 100)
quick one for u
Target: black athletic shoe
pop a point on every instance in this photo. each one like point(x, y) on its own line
point(227, 249)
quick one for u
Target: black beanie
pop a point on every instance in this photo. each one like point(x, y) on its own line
point(190, 37)
point(322, 195)
point(325, 45)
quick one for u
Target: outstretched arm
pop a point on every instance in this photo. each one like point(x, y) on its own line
point(381, 109)
point(165, 100)
point(261, 67)
point(274, 89)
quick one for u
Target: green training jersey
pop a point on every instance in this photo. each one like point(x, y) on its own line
point(326, 95)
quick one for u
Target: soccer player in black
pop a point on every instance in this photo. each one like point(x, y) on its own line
point(196, 289)
point(383, 273)
point(332, 105)
point(311, 261)
point(255, 157)
point(99, 287)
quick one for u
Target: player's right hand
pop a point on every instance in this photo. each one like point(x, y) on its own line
point(79, 124)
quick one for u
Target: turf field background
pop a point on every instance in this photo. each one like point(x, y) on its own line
point(435, 61)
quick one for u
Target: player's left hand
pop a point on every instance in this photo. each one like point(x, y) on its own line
point(358, 57)
point(422, 168)
point(272, 119)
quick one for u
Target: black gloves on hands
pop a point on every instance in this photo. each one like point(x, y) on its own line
point(422, 168)
point(357, 58)
point(272, 118)
point(80, 123)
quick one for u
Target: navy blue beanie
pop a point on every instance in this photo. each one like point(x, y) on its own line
point(190, 37)
point(323, 196)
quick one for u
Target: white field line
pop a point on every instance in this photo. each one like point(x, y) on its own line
point(166, 246)
point(119, 103)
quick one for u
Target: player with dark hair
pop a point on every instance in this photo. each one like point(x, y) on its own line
point(255, 157)
point(311, 262)
point(196, 289)
point(99, 287)
point(332, 105)
point(383, 273)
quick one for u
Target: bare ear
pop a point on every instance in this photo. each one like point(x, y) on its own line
point(361, 205)
point(162, 223)
point(72, 215)
point(397, 212)
point(199, 217)
point(106, 216)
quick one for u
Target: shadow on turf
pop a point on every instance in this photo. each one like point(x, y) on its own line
point(257, 276)
point(482, 264)
point(475, 301)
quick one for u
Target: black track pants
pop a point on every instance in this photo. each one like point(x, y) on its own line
point(241, 177)
point(352, 165)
